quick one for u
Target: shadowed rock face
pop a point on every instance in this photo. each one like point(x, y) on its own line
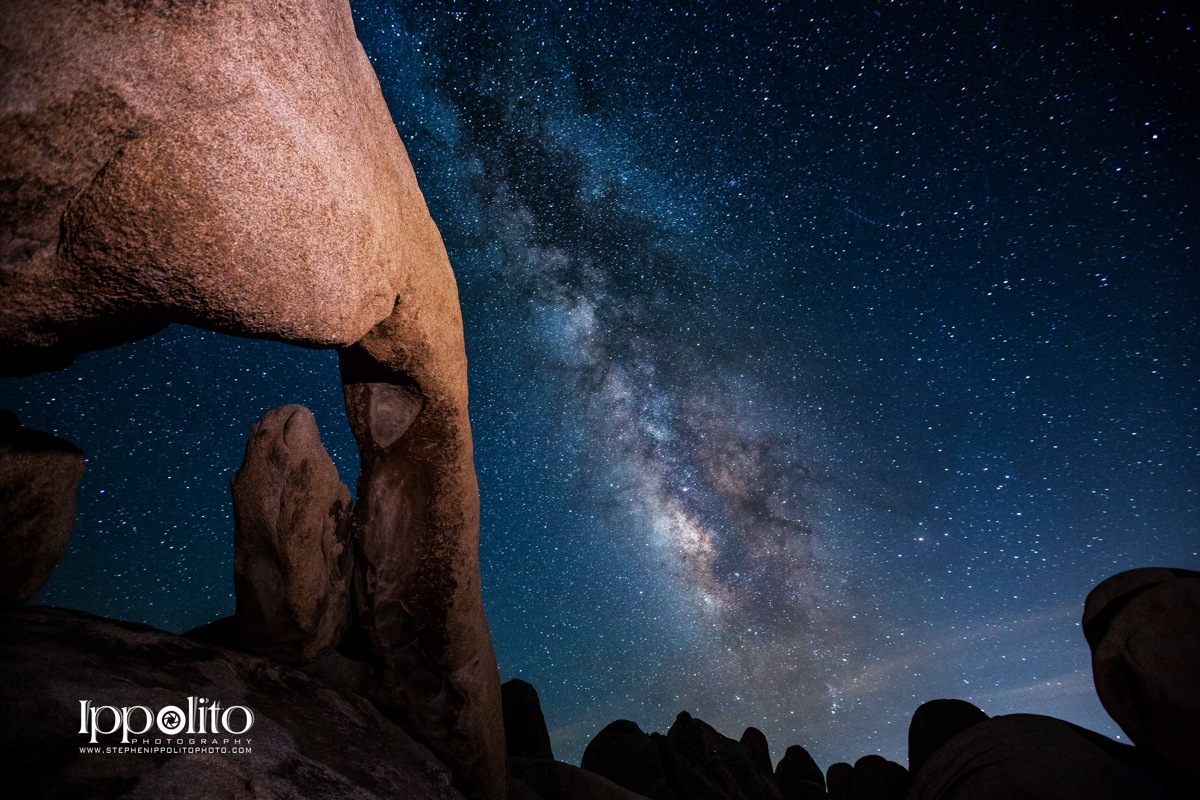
point(307, 740)
point(755, 742)
point(39, 476)
point(291, 557)
point(525, 731)
point(798, 775)
point(692, 761)
point(233, 166)
point(933, 724)
point(1143, 626)
point(1035, 757)
point(872, 777)
point(547, 779)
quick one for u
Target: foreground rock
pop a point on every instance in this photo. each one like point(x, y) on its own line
point(233, 166)
point(306, 741)
point(291, 557)
point(553, 780)
point(39, 477)
point(1037, 758)
point(1144, 630)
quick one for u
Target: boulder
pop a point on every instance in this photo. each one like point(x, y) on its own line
point(629, 757)
point(837, 780)
point(291, 557)
point(933, 724)
point(872, 777)
point(710, 765)
point(1143, 627)
point(1037, 758)
point(755, 742)
point(306, 739)
point(798, 776)
point(525, 733)
point(39, 478)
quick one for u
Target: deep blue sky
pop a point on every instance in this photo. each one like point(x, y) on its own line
point(823, 356)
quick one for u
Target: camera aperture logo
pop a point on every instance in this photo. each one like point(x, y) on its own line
point(203, 727)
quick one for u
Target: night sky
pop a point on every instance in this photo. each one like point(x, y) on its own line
point(823, 356)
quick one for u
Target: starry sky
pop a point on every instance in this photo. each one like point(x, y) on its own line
point(823, 355)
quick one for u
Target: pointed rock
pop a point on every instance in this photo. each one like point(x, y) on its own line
point(755, 742)
point(291, 558)
point(525, 731)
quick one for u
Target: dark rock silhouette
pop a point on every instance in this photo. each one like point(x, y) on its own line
point(525, 731)
point(1034, 757)
point(933, 724)
point(1144, 630)
point(871, 778)
point(755, 742)
point(712, 765)
point(553, 780)
point(39, 477)
point(692, 761)
point(291, 556)
point(626, 755)
point(837, 779)
point(158, 178)
point(307, 739)
point(798, 776)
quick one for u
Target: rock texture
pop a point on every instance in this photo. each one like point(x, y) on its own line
point(307, 739)
point(230, 164)
point(39, 477)
point(233, 166)
point(1033, 757)
point(933, 724)
point(291, 557)
point(525, 731)
point(1144, 630)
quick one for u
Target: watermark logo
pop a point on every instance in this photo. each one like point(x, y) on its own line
point(202, 717)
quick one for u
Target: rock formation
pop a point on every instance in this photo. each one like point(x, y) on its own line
point(630, 757)
point(1035, 757)
point(798, 775)
point(692, 761)
point(871, 778)
point(307, 740)
point(233, 166)
point(291, 557)
point(755, 742)
point(933, 724)
point(1144, 630)
point(39, 476)
point(525, 731)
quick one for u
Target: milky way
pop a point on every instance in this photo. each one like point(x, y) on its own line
point(822, 357)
